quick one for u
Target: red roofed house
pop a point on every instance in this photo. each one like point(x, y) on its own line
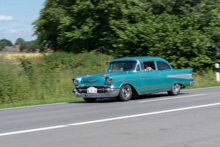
point(17, 46)
point(48, 49)
point(24, 50)
point(11, 49)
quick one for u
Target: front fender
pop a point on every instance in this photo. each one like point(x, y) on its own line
point(136, 85)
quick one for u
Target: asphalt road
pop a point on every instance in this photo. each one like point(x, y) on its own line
point(191, 119)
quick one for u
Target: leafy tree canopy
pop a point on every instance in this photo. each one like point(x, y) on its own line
point(22, 43)
point(184, 32)
point(5, 42)
point(33, 45)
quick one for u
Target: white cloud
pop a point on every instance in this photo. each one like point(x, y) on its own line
point(14, 31)
point(5, 18)
point(28, 31)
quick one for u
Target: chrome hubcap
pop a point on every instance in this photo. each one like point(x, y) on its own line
point(176, 88)
point(126, 92)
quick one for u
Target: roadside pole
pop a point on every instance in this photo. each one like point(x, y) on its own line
point(217, 72)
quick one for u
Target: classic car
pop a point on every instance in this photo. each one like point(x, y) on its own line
point(132, 77)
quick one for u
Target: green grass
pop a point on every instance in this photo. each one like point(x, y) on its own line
point(44, 80)
point(206, 78)
point(212, 84)
point(48, 80)
point(74, 99)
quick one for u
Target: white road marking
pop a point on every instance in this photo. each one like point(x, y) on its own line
point(108, 119)
point(176, 97)
point(32, 130)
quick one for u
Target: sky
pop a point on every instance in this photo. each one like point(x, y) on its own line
point(16, 18)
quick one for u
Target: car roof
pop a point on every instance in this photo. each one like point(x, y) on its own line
point(141, 59)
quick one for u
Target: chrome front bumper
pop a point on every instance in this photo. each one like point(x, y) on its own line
point(110, 93)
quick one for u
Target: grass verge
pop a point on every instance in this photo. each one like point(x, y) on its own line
point(74, 99)
point(212, 84)
point(48, 79)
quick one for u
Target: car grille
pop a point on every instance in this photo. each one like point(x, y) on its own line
point(100, 89)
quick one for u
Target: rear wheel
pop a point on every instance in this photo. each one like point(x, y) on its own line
point(90, 99)
point(125, 93)
point(175, 89)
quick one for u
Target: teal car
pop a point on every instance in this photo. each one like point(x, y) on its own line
point(131, 77)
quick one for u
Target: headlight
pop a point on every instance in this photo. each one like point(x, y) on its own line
point(75, 82)
point(108, 80)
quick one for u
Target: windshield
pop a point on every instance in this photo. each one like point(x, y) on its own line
point(122, 66)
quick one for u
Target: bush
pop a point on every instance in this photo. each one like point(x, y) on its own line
point(14, 84)
point(49, 77)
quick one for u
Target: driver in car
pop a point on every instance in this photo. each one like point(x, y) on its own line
point(147, 68)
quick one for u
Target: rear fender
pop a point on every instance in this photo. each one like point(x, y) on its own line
point(181, 84)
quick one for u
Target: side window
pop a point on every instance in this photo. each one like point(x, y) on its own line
point(162, 66)
point(148, 66)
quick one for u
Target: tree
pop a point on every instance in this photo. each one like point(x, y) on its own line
point(46, 27)
point(34, 45)
point(204, 13)
point(5, 42)
point(160, 36)
point(22, 43)
point(180, 31)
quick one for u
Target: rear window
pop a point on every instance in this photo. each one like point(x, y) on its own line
point(162, 66)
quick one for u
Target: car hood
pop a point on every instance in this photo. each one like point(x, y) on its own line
point(97, 78)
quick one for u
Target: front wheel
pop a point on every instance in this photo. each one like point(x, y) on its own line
point(125, 93)
point(90, 99)
point(175, 89)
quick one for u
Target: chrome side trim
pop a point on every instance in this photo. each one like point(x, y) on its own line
point(153, 92)
point(136, 79)
point(180, 76)
point(110, 93)
point(176, 76)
